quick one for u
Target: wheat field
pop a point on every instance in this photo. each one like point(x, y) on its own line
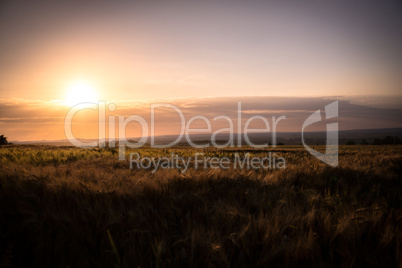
point(72, 207)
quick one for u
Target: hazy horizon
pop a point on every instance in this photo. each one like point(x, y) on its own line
point(352, 116)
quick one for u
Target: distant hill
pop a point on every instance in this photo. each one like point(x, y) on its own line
point(288, 138)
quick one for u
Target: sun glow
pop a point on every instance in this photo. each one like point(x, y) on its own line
point(79, 92)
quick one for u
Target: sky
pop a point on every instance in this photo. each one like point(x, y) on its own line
point(56, 53)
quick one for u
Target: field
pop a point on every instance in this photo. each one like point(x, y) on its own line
point(71, 207)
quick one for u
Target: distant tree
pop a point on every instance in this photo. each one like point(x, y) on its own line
point(377, 141)
point(392, 140)
point(351, 142)
point(3, 140)
point(387, 140)
point(364, 142)
point(280, 143)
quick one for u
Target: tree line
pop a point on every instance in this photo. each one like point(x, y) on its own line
point(388, 140)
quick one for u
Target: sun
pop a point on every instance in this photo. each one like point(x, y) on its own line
point(79, 92)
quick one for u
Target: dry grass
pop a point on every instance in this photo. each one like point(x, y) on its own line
point(82, 207)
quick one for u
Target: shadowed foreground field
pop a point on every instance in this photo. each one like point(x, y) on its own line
point(82, 207)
